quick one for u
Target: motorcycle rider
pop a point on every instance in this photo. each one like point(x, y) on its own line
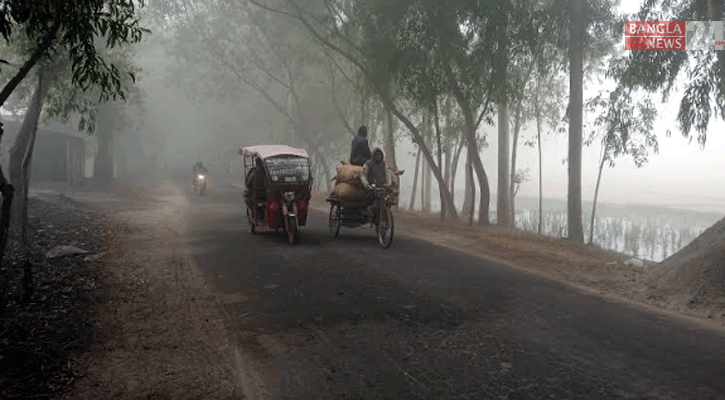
point(360, 149)
point(199, 169)
point(375, 172)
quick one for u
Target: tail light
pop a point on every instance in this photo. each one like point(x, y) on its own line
point(273, 206)
point(301, 205)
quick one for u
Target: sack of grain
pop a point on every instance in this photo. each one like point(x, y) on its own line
point(349, 174)
point(347, 192)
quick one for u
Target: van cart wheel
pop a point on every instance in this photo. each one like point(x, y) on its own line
point(252, 227)
point(334, 220)
point(385, 227)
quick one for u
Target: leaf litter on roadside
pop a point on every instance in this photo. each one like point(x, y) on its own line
point(41, 338)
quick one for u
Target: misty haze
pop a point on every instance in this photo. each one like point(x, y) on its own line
point(373, 199)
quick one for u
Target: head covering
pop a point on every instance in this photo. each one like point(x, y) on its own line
point(362, 131)
point(259, 163)
point(376, 170)
point(376, 151)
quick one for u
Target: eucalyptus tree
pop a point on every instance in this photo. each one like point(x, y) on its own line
point(71, 29)
point(588, 21)
point(376, 53)
point(661, 71)
point(622, 128)
point(242, 48)
point(546, 98)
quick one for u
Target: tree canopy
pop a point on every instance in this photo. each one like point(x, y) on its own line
point(73, 29)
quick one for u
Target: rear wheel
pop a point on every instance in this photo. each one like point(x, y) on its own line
point(293, 232)
point(250, 221)
point(385, 227)
point(334, 220)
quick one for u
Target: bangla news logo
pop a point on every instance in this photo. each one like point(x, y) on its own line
point(673, 35)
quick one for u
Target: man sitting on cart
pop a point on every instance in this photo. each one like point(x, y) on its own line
point(359, 149)
point(375, 172)
point(255, 192)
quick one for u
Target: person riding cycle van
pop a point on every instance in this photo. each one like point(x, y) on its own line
point(375, 172)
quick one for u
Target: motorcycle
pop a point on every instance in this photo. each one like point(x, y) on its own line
point(200, 184)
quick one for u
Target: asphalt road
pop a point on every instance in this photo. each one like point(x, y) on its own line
point(418, 321)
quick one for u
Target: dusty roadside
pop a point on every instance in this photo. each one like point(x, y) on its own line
point(159, 331)
point(583, 267)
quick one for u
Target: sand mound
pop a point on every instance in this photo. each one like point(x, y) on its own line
point(698, 270)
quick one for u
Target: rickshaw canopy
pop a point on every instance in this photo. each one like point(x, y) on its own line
point(272, 150)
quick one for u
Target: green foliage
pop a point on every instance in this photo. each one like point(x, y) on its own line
point(72, 29)
point(623, 126)
point(661, 71)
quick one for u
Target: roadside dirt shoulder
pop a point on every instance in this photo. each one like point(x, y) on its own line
point(586, 268)
point(159, 330)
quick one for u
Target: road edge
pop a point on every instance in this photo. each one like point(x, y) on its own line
point(623, 300)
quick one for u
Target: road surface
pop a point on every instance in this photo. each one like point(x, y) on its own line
point(418, 321)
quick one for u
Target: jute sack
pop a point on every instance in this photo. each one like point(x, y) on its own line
point(347, 192)
point(349, 174)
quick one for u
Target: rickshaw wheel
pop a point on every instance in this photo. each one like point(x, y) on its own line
point(293, 232)
point(252, 226)
point(385, 227)
point(334, 220)
point(293, 236)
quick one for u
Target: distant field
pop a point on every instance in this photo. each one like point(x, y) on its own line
point(650, 232)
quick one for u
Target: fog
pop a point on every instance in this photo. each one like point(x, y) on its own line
point(195, 106)
point(189, 129)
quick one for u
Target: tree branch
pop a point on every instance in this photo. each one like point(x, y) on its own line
point(345, 123)
point(45, 44)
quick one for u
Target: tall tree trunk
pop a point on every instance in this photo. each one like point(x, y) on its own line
point(415, 181)
point(471, 126)
point(436, 119)
point(427, 172)
point(576, 75)
point(454, 167)
point(473, 188)
point(390, 142)
point(425, 151)
point(596, 191)
point(363, 97)
point(468, 194)
point(518, 122)
point(7, 190)
point(541, 185)
point(502, 204)
point(20, 158)
point(447, 174)
point(513, 186)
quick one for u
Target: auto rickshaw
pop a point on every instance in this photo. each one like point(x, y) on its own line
point(287, 188)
